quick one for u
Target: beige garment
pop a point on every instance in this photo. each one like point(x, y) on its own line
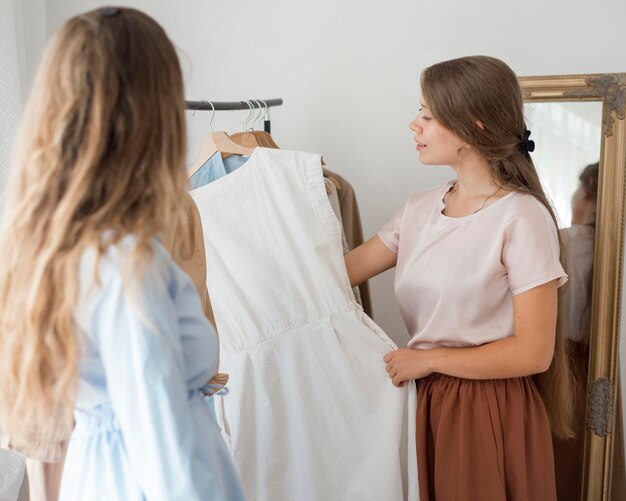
point(186, 246)
point(44, 479)
point(351, 221)
point(333, 197)
point(44, 450)
point(44, 473)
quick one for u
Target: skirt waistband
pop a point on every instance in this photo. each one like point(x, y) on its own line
point(435, 376)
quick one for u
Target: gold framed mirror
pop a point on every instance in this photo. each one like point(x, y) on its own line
point(584, 114)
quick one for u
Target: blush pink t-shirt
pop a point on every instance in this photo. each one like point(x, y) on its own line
point(455, 278)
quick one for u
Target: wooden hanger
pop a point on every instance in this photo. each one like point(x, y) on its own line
point(266, 139)
point(256, 137)
point(253, 138)
point(214, 142)
point(247, 139)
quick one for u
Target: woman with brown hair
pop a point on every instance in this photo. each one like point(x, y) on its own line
point(98, 326)
point(477, 271)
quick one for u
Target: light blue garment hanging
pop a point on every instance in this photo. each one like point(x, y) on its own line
point(215, 168)
point(143, 429)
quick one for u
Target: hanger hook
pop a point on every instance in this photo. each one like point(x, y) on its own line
point(258, 117)
point(245, 122)
point(253, 114)
point(252, 117)
point(261, 116)
point(267, 109)
point(212, 114)
point(266, 125)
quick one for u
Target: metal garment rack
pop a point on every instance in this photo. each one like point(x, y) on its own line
point(232, 105)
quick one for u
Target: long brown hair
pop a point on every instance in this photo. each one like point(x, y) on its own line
point(479, 89)
point(101, 147)
point(589, 181)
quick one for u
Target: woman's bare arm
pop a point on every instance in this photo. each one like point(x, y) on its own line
point(529, 351)
point(368, 260)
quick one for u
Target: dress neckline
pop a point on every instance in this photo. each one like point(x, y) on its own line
point(442, 205)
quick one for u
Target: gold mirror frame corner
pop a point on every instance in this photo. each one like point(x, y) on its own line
point(610, 89)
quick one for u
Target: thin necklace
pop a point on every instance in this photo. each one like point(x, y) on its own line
point(485, 201)
point(456, 185)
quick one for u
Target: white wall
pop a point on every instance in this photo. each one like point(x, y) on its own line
point(348, 71)
point(31, 34)
point(22, 37)
point(10, 96)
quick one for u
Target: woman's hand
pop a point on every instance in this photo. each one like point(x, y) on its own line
point(406, 364)
point(529, 351)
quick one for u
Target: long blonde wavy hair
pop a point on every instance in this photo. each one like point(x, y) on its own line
point(101, 148)
point(467, 90)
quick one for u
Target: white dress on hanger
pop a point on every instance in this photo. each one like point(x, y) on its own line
point(310, 413)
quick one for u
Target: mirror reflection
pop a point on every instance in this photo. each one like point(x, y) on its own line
point(568, 138)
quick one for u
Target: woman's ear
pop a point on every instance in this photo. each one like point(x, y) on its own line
point(464, 149)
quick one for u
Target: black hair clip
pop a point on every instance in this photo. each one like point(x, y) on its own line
point(526, 145)
point(109, 11)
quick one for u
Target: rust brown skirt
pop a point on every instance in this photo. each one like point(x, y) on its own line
point(483, 440)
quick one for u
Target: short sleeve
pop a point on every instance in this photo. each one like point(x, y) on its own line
point(530, 251)
point(389, 233)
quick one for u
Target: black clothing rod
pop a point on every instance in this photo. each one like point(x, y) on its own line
point(231, 105)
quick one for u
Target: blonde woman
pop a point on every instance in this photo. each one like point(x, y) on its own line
point(477, 272)
point(98, 326)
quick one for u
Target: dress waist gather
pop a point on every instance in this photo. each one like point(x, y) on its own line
point(102, 418)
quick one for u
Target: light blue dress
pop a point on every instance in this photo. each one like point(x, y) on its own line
point(143, 429)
